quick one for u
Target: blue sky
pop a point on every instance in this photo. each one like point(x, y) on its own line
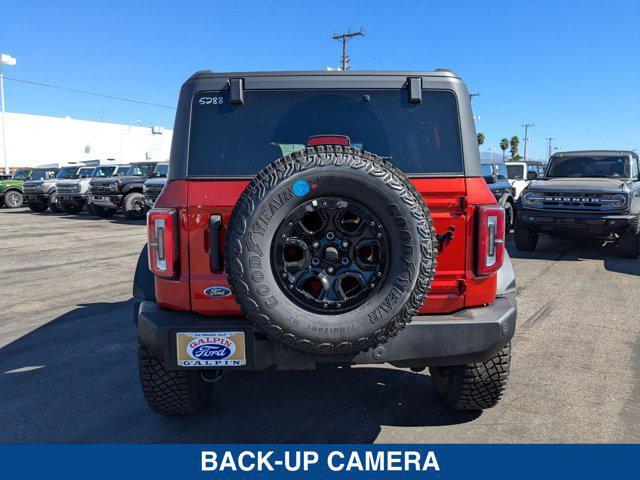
point(570, 67)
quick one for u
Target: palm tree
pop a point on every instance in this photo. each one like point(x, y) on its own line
point(515, 143)
point(504, 144)
point(480, 138)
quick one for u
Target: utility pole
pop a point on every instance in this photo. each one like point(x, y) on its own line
point(471, 95)
point(549, 139)
point(526, 139)
point(343, 37)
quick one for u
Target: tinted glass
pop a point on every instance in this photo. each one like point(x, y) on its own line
point(161, 170)
point(139, 170)
point(102, 171)
point(85, 171)
point(67, 172)
point(515, 172)
point(240, 140)
point(599, 167)
point(487, 170)
point(502, 172)
point(39, 175)
point(21, 175)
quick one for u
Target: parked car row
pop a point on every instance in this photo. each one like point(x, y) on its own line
point(101, 190)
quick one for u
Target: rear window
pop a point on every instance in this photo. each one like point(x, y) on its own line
point(240, 140)
point(515, 172)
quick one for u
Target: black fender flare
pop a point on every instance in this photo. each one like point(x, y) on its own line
point(134, 187)
point(144, 287)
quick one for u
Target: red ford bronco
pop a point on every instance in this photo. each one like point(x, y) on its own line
point(317, 217)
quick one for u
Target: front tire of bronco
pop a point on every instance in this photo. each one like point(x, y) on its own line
point(474, 386)
point(102, 212)
point(524, 238)
point(38, 207)
point(70, 208)
point(54, 204)
point(629, 243)
point(13, 199)
point(171, 393)
point(134, 207)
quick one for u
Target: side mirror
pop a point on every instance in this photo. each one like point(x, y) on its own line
point(489, 179)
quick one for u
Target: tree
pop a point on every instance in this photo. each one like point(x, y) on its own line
point(514, 143)
point(504, 144)
point(480, 138)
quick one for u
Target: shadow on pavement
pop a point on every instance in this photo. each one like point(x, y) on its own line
point(117, 218)
point(75, 380)
point(573, 249)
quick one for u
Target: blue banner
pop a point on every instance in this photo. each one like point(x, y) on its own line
point(471, 462)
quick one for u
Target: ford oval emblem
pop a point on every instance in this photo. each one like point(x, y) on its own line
point(217, 292)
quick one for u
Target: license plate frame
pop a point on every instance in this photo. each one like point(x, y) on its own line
point(211, 349)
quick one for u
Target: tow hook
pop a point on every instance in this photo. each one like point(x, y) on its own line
point(445, 238)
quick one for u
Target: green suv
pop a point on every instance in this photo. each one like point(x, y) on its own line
point(11, 192)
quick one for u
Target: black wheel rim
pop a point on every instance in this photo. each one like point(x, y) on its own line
point(137, 207)
point(330, 255)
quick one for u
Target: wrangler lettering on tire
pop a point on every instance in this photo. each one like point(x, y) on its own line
point(340, 241)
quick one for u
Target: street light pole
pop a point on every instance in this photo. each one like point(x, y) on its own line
point(4, 60)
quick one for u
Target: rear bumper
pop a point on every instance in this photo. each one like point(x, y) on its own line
point(467, 336)
point(541, 220)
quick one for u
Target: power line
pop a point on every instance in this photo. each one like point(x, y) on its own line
point(85, 92)
point(343, 37)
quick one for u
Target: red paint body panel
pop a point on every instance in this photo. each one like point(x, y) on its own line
point(452, 203)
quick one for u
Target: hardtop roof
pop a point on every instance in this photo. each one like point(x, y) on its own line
point(594, 153)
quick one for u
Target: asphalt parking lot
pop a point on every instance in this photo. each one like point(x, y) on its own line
point(68, 356)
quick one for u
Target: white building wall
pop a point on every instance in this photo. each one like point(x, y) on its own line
point(34, 140)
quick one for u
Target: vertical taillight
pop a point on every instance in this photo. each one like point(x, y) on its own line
point(162, 236)
point(491, 236)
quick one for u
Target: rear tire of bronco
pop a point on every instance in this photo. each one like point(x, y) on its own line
point(629, 243)
point(172, 393)
point(38, 207)
point(134, 206)
point(13, 199)
point(524, 238)
point(103, 212)
point(475, 386)
point(308, 250)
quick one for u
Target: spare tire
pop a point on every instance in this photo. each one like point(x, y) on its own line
point(331, 250)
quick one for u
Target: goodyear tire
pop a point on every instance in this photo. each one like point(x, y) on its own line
point(474, 386)
point(331, 204)
point(171, 392)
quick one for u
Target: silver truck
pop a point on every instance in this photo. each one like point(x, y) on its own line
point(42, 194)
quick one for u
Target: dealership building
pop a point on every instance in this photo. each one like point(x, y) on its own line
point(39, 140)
